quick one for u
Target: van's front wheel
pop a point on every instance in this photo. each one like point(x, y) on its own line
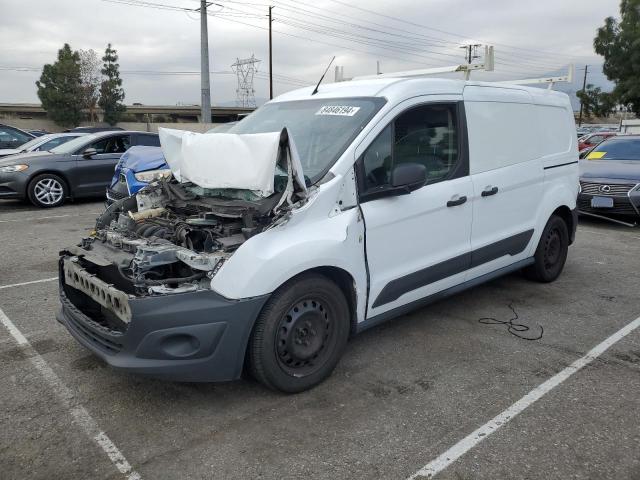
point(300, 334)
point(551, 253)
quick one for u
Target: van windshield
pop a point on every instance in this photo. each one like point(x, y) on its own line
point(322, 129)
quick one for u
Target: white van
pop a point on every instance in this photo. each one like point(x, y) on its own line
point(319, 216)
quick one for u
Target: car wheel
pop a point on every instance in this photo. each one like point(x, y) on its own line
point(551, 253)
point(47, 191)
point(300, 334)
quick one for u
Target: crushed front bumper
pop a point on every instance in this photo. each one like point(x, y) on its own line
point(192, 337)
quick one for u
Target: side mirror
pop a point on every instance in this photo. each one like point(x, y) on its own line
point(89, 152)
point(407, 177)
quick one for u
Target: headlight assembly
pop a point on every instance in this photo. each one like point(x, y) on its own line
point(152, 175)
point(13, 168)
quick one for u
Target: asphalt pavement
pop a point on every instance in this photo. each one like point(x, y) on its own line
point(403, 394)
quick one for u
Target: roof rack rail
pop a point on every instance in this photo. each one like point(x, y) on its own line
point(568, 78)
point(466, 68)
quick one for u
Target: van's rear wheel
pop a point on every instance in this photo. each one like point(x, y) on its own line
point(300, 334)
point(551, 253)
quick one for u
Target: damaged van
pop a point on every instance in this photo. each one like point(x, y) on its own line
point(320, 215)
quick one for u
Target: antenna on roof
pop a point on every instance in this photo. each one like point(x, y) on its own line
point(315, 90)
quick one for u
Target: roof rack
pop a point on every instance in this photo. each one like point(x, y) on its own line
point(467, 68)
point(568, 78)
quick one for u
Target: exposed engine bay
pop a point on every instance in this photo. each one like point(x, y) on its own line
point(173, 237)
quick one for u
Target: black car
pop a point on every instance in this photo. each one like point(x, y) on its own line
point(610, 179)
point(95, 129)
point(12, 137)
point(38, 133)
point(82, 167)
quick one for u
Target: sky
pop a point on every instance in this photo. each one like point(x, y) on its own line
point(530, 38)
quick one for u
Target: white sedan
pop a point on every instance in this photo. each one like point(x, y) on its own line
point(43, 143)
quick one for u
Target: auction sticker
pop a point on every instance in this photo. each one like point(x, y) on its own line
point(338, 110)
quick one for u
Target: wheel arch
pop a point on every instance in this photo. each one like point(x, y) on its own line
point(565, 213)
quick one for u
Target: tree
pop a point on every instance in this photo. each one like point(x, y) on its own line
point(618, 41)
point(595, 102)
point(90, 76)
point(111, 92)
point(60, 88)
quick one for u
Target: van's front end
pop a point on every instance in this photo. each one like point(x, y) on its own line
point(173, 278)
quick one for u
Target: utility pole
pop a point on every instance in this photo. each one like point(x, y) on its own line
point(584, 87)
point(270, 56)
point(205, 85)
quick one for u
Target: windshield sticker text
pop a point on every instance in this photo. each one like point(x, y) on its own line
point(339, 110)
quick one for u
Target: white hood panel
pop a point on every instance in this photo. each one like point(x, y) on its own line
point(222, 160)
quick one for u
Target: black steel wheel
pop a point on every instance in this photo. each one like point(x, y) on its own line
point(300, 334)
point(551, 253)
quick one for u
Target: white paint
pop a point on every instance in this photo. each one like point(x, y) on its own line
point(35, 219)
point(80, 415)
point(2, 287)
point(463, 446)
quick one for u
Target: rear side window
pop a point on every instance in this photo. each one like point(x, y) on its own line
point(427, 135)
point(148, 140)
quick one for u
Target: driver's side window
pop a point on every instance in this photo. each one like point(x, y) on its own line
point(116, 144)
point(427, 135)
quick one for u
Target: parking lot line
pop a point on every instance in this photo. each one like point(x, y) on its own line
point(463, 446)
point(35, 219)
point(2, 287)
point(66, 397)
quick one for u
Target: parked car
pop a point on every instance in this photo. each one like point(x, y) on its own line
point(141, 165)
point(12, 137)
point(138, 167)
point(82, 167)
point(610, 178)
point(95, 129)
point(317, 217)
point(593, 139)
point(38, 133)
point(42, 143)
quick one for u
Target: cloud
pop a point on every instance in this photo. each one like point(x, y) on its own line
point(549, 33)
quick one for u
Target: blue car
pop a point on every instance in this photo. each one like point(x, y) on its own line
point(137, 167)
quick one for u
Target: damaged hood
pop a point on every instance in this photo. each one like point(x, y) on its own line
point(231, 161)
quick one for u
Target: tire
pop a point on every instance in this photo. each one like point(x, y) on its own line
point(300, 334)
point(551, 253)
point(47, 190)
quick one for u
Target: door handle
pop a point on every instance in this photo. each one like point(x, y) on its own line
point(455, 203)
point(489, 191)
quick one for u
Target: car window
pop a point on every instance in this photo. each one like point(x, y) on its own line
point(115, 144)
point(13, 136)
point(54, 142)
point(148, 140)
point(596, 139)
point(427, 135)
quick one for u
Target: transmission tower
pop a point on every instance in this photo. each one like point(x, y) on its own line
point(245, 70)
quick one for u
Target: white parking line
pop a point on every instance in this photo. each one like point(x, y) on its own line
point(2, 287)
point(35, 219)
point(80, 415)
point(463, 446)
